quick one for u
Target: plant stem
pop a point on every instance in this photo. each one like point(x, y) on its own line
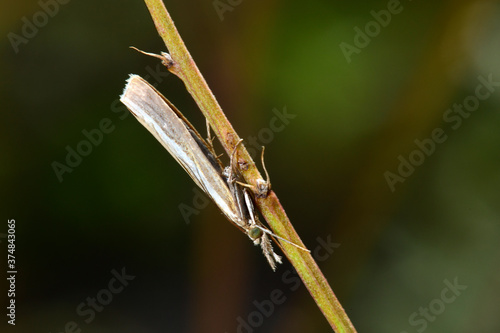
point(185, 68)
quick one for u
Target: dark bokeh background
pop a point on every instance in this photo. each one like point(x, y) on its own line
point(118, 208)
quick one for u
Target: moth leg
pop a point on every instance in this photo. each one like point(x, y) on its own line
point(232, 165)
point(210, 139)
point(263, 186)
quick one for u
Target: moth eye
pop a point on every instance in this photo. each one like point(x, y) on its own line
point(255, 233)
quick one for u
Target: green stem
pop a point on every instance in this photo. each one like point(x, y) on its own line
point(185, 68)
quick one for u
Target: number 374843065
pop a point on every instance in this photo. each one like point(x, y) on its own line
point(11, 246)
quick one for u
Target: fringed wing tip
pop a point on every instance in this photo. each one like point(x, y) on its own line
point(128, 83)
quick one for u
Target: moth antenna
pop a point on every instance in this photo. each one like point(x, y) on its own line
point(283, 239)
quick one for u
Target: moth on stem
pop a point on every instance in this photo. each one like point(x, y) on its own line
point(198, 159)
point(186, 69)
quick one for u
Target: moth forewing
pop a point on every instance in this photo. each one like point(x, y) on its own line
point(153, 112)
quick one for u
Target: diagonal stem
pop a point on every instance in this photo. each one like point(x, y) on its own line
point(185, 68)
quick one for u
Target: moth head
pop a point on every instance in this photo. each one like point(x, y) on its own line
point(255, 234)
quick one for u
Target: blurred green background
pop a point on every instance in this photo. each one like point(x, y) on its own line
point(395, 246)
